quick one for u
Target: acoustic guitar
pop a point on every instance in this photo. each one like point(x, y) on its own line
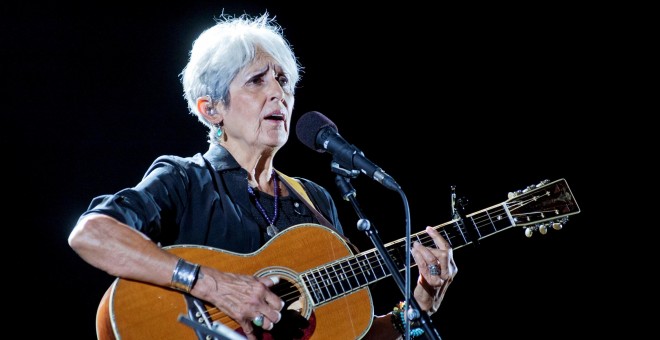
point(327, 284)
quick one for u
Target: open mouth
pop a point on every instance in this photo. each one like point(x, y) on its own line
point(275, 116)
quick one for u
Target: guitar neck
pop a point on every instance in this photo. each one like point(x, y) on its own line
point(536, 206)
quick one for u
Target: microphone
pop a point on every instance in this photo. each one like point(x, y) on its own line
point(320, 134)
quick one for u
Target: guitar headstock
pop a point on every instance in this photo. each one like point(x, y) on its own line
point(542, 206)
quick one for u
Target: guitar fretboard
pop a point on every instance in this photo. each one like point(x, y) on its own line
point(543, 203)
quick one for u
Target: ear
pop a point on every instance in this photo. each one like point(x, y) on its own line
point(206, 108)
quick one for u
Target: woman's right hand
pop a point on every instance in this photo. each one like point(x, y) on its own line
point(242, 297)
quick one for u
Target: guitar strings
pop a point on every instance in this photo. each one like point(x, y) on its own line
point(480, 222)
point(374, 259)
point(288, 297)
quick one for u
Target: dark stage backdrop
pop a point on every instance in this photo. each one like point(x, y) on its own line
point(487, 99)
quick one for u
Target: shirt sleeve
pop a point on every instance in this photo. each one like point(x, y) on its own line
point(161, 192)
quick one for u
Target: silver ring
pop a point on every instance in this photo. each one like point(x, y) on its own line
point(434, 270)
point(259, 320)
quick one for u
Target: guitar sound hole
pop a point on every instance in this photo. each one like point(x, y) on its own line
point(298, 321)
point(289, 293)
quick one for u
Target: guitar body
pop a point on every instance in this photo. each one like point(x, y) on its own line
point(135, 310)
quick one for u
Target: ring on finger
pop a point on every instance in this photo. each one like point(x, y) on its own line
point(433, 269)
point(258, 320)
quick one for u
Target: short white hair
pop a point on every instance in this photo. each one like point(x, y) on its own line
point(221, 51)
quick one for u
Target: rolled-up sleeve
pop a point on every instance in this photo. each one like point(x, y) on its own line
point(163, 190)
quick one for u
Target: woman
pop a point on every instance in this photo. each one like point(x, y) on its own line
point(240, 83)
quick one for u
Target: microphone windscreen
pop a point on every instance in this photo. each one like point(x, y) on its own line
point(308, 127)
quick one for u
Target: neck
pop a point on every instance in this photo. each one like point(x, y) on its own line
point(263, 181)
point(258, 163)
point(250, 155)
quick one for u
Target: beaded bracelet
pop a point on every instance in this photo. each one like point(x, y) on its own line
point(398, 317)
point(184, 276)
point(396, 322)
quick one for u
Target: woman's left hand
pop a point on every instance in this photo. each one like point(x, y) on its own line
point(436, 270)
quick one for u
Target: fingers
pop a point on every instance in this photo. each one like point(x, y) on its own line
point(269, 314)
point(423, 256)
point(248, 329)
point(271, 298)
point(270, 281)
point(267, 321)
point(434, 263)
point(247, 299)
point(439, 241)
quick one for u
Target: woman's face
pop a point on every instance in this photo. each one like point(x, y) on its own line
point(261, 101)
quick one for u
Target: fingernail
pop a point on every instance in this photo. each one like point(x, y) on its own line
point(279, 317)
point(275, 279)
point(282, 304)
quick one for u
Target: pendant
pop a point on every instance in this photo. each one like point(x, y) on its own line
point(271, 230)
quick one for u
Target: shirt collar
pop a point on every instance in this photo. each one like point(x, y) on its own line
point(220, 158)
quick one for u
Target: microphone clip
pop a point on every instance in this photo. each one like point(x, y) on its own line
point(349, 173)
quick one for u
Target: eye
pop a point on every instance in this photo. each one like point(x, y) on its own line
point(258, 79)
point(283, 80)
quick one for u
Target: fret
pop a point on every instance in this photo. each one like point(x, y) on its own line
point(380, 271)
point(363, 271)
point(443, 233)
point(491, 221)
point(325, 291)
point(315, 289)
point(397, 254)
point(369, 273)
point(329, 282)
point(357, 274)
point(475, 227)
point(345, 277)
point(459, 237)
point(503, 221)
point(319, 291)
point(339, 278)
point(462, 233)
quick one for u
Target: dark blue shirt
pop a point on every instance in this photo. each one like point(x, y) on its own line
point(203, 200)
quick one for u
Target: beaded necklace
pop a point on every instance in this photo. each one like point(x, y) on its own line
point(271, 230)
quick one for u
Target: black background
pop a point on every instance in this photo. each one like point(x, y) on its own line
point(489, 99)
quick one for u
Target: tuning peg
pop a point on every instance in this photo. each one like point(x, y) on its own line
point(557, 226)
point(543, 229)
point(529, 232)
point(528, 189)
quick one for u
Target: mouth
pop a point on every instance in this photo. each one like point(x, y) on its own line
point(275, 116)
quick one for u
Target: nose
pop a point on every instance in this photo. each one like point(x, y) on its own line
point(275, 90)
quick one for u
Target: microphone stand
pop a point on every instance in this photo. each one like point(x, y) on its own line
point(342, 180)
point(217, 331)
